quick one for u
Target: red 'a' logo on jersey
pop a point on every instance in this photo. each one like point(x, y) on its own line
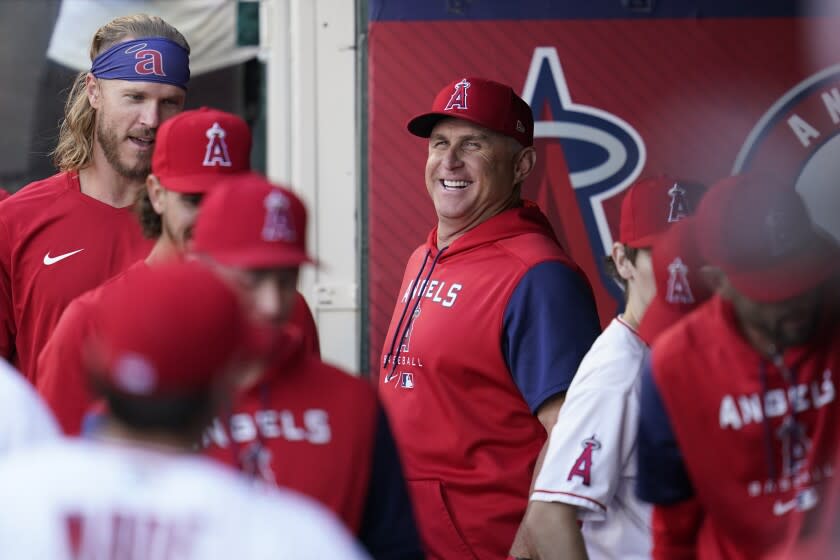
point(459, 98)
point(583, 464)
point(149, 61)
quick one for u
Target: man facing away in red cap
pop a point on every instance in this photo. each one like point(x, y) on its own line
point(173, 337)
point(295, 421)
point(583, 503)
point(739, 418)
point(193, 152)
point(491, 322)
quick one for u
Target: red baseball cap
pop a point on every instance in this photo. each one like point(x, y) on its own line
point(652, 205)
point(249, 222)
point(194, 149)
point(168, 330)
point(484, 102)
point(679, 287)
point(758, 232)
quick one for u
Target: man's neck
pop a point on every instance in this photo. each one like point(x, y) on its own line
point(163, 250)
point(100, 181)
point(170, 442)
point(448, 231)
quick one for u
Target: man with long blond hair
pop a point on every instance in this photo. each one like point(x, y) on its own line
point(66, 234)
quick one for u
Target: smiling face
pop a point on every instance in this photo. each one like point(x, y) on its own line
point(471, 175)
point(128, 115)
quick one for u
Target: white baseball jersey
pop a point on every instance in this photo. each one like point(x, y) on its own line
point(24, 418)
point(91, 500)
point(591, 457)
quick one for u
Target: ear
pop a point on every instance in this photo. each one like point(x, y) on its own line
point(525, 161)
point(623, 265)
point(93, 91)
point(156, 192)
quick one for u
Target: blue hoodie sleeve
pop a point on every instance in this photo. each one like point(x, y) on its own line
point(388, 530)
point(662, 478)
point(549, 325)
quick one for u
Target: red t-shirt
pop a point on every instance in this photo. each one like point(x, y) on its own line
point(56, 243)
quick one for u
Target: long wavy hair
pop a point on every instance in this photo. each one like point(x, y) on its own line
point(75, 138)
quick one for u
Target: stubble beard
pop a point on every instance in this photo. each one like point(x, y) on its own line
point(110, 144)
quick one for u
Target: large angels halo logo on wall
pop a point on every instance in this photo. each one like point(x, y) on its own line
point(798, 138)
point(599, 156)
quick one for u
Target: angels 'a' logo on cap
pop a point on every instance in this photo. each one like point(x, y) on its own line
point(278, 224)
point(679, 205)
point(679, 289)
point(217, 150)
point(459, 97)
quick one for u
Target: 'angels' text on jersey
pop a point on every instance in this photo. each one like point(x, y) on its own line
point(737, 411)
point(311, 426)
point(435, 290)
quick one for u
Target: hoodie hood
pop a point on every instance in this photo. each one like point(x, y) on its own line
point(513, 222)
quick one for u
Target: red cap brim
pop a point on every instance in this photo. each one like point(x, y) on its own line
point(800, 274)
point(197, 183)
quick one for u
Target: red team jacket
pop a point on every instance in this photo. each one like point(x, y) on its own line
point(468, 438)
point(56, 243)
point(738, 457)
point(62, 381)
point(311, 427)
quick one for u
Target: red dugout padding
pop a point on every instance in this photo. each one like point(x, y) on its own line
point(614, 99)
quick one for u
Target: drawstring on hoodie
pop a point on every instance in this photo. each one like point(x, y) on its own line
point(790, 382)
point(399, 335)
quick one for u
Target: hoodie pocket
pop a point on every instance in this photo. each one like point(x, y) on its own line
point(441, 537)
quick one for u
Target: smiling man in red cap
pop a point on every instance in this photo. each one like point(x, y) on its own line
point(296, 421)
point(583, 503)
point(739, 416)
point(193, 152)
point(173, 338)
point(491, 321)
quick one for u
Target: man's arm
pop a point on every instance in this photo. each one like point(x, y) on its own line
point(61, 378)
point(550, 324)
point(547, 415)
point(553, 532)
point(663, 479)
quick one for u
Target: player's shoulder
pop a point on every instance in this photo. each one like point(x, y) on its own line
point(37, 192)
point(334, 378)
point(614, 360)
point(533, 247)
point(309, 528)
point(30, 203)
point(695, 331)
point(36, 464)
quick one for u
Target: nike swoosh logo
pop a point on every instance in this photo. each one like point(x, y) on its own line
point(781, 508)
point(48, 260)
